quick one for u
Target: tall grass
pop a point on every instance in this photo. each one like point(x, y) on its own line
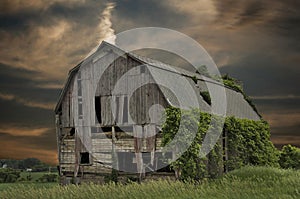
point(248, 182)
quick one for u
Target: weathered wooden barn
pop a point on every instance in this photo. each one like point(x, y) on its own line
point(108, 114)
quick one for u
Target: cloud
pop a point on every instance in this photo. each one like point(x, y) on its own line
point(13, 6)
point(25, 131)
point(54, 40)
point(279, 141)
point(275, 97)
point(17, 114)
point(105, 26)
point(279, 119)
point(26, 102)
point(22, 151)
point(25, 142)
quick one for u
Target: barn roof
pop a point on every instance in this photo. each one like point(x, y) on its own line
point(174, 77)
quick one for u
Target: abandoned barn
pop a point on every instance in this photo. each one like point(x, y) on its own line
point(112, 98)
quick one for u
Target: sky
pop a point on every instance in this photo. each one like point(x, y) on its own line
point(257, 42)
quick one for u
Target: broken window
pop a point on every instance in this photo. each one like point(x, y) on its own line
point(98, 109)
point(72, 132)
point(84, 158)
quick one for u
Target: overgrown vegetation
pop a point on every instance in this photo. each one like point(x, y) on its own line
point(248, 144)
point(248, 182)
point(227, 81)
point(8, 175)
point(290, 157)
point(205, 95)
point(237, 85)
point(190, 165)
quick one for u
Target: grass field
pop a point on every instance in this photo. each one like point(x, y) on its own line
point(249, 182)
point(34, 175)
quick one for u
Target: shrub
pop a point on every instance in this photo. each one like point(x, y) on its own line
point(48, 178)
point(8, 175)
point(249, 144)
point(290, 157)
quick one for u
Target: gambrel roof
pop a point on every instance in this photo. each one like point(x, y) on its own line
point(176, 78)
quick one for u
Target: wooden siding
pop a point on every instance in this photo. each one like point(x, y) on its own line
point(98, 77)
point(101, 152)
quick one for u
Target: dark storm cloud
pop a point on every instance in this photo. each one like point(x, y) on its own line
point(283, 115)
point(239, 13)
point(19, 82)
point(262, 74)
point(20, 21)
point(146, 13)
point(83, 14)
point(276, 105)
point(279, 17)
point(14, 113)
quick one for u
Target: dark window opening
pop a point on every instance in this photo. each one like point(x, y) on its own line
point(125, 110)
point(72, 132)
point(98, 109)
point(143, 68)
point(106, 129)
point(80, 109)
point(166, 169)
point(84, 158)
point(124, 129)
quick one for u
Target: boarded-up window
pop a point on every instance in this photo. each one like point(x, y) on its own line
point(117, 109)
point(80, 113)
point(143, 68)
point(98, 108)
point(84, 158)
point(126, 162)
point(125, 110)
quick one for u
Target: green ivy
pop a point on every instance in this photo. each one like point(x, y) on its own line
point(190, 165)
point(248, 144)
